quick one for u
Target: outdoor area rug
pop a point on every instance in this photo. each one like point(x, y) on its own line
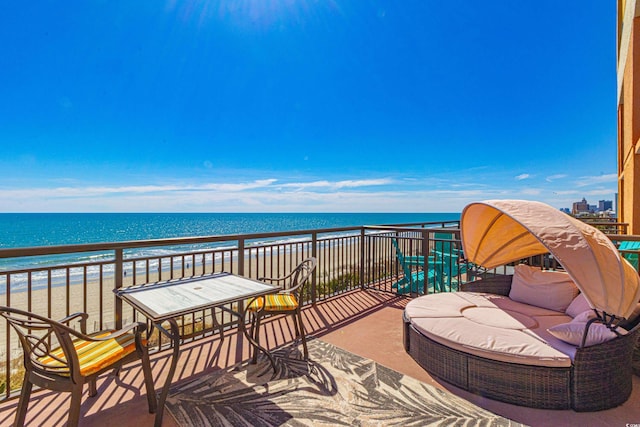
point(334, 387)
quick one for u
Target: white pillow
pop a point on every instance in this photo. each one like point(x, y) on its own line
point(577, 306)
point(547, 289)
point(584, 317)
point(572, 333)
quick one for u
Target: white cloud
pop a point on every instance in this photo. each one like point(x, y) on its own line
point(339, 184)
point(599, 179)
point(523, 176)
point(416, 194)
point(531, 191)
point(552, 178)
point(261, 183)
point(174, 198)
point(566, 192)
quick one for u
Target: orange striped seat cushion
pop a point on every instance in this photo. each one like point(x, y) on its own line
point(93, 355)
point(274, 302)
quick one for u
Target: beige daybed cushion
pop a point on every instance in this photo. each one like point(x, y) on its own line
point(492, 300)
point(445, 304)
point(493, 327)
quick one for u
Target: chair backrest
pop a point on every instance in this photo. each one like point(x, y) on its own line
point(632, 257)
point(405, 268)
point(39, 336)
point(300, 276)
point(446, 243)
point(451, 264)
point(442, 242)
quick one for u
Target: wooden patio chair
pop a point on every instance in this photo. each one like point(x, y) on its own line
point(60, 358)
point(450, 262)
point(288, 301)
point(630, 250)
point(413, 280)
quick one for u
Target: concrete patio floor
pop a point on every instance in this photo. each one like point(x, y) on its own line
point(367, 323)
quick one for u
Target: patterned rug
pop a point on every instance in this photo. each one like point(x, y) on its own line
point(334, 387)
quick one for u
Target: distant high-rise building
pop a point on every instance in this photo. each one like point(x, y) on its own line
point(580, 207)
point(605, 205)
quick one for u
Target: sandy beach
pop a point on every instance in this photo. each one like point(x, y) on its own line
point(98, 300)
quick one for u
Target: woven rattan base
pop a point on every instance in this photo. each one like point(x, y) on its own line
point(599, 378)
point(524, 385)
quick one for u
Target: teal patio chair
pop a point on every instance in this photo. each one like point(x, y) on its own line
point(411, 260)
point(413, 280)
point(449, 261)
point(632, 257)
point(450, 267)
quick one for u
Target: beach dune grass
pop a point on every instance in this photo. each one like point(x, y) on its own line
point(90, 288)
point(192, 325)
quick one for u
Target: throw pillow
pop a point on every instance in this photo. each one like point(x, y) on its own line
point(553, 290)
point(584, 317)
point(577, 306)
point(572, 333)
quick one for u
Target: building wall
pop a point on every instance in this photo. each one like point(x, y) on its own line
point(629, 115)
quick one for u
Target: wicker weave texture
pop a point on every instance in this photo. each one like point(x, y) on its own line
point(524, 385)
point(600, 377)
point(439, 360)
point(602, 374)
point(499, 285)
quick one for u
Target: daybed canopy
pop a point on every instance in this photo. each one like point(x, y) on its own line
point(497, 232)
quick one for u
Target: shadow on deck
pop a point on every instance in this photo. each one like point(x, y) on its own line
point(367, 323)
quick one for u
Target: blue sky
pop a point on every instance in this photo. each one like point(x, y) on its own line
point(305, 106)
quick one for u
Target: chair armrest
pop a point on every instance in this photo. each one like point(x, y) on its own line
point(272, 279)
point(83, 320)
point(278, 279)
point(69, 318)
point(275, 279)
point(136, 327)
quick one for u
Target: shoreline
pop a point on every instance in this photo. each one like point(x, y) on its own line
point(78, 269)
point(100, 299)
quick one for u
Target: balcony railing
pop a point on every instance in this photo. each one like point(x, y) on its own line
point(48, 283)
point(607, 227)
point(51, 282)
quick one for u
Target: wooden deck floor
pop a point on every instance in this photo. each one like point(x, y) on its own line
point(367, 323)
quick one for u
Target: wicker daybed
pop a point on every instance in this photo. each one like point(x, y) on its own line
point(599, 377)
point(523, 338)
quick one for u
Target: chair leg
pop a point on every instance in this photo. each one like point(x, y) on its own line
point(217, 324)
point(74, 410)
point(303, 335)
point(148, 381)
point(295, 326)
point(25, 394)
point(256, 336)
point(93, 389)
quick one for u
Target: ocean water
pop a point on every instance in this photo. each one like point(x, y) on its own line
point(51, 229)
point(46, 229)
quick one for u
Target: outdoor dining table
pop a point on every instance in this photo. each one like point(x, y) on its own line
point(165, 302)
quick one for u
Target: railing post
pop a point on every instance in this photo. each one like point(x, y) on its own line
point(362, 234)
point(425, 264)
point(314, 281)
point(118, 270)
point(241, 257)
